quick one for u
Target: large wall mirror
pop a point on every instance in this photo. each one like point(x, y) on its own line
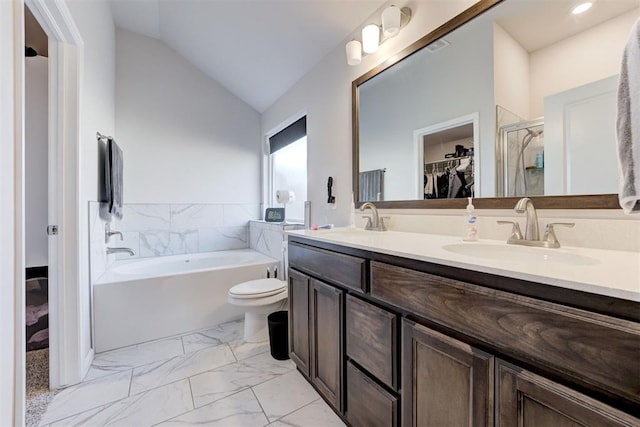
point(511, 98)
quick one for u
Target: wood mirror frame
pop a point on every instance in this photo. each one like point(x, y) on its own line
point(597, 201)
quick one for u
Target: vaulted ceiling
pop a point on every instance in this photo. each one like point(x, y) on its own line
point(257, 49)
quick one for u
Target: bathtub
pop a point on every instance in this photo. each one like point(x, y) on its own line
point(149, 298)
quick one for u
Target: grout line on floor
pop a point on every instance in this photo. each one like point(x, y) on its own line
point(178, 335)
point(193, 401)
point(106, 405)
point(190, 355)
point(130, 383)
point(260, 404)
point(197, 409)
point(243, 388)
point(296, 410)
point(66, 417)
point(232, 353)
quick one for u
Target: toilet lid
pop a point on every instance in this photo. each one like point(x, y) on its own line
point(258, 288)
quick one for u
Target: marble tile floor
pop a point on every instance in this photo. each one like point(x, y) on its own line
point(208, 378)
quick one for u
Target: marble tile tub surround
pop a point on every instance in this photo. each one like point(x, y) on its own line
point(208, 377)
point(170, 229)
point(269, 238)
point(98, 259)
point(594, 229)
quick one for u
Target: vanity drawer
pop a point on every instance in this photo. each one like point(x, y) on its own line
point(345, 270)
point(368, 404)
point(596, 351)
point(371, 339)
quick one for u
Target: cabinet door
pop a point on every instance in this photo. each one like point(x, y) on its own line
point(529, 400)
point(445, 382)
point(368, 404)
point(371, 339)
point(299, 320)
point(326, 341)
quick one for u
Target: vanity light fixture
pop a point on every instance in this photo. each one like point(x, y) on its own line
point(393, 19)
point(354, 52)
point(582, 7)
point(370, 38)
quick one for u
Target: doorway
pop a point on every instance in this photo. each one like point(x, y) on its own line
point(36, 174)
point(63, 119)
point(448, 149)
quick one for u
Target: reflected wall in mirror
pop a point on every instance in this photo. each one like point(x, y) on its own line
point(541, 82)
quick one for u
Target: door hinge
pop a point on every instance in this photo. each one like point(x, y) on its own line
point(52, 230)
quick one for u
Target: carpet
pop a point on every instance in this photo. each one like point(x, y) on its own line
point(38, 394)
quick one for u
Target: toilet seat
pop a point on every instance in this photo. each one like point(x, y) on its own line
point(259, 288)
point(259, 298)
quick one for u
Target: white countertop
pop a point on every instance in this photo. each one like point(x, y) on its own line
point(613, 273)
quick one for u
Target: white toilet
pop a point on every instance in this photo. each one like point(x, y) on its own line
point(259, 298)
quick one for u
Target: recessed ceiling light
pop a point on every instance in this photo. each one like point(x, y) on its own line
point(582, 7)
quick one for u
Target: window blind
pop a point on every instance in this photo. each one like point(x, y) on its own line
point(288, 135)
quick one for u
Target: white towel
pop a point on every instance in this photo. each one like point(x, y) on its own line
point(628, 124)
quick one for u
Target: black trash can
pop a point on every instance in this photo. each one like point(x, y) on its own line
point(279, 334)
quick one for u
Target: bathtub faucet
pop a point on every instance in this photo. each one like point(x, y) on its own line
point(116, 250)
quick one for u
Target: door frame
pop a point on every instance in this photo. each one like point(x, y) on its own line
point(12, 261)
point(66, 364)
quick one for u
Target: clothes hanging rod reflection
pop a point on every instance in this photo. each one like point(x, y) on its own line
point(452, 159)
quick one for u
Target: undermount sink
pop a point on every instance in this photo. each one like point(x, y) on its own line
point(519, 253)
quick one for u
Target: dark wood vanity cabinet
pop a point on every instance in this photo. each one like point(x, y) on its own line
point(445, 381)
point(325, 335)
point(403, 342)
point(316, 334)
point(372, 339)
point(369, 404)
point(299, 344)
point(529, 400)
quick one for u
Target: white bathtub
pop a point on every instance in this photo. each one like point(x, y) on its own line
point(145, 299)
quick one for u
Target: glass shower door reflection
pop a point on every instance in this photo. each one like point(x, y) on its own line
point(523, 158)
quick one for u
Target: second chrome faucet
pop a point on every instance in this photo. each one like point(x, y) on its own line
point(374, 222)
point(531, 235)
point(118, 250)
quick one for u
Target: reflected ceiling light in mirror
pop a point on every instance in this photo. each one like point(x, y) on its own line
point(393, 19)
point(354, 52)
point(370, 38)
point(582, 7)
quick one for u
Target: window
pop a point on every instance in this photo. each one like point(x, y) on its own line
point(288, 167)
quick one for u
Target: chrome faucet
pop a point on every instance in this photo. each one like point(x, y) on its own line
point(117, 250)
point(374, 222)
point(531, 230)
point(108, 233)
point(531, 235)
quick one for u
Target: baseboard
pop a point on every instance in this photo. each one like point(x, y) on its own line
point(86, 363)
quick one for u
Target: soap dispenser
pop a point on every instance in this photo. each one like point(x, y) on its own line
point(470, 223)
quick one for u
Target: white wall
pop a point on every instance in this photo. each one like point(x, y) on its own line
point(511, 73)
point(586, 57)
point(185, 138)
point(36, 158)
point(95, 24)
point(325, 94)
